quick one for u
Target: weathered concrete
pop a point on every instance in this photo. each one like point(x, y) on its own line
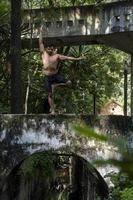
point(110, 24)
point(23, 135)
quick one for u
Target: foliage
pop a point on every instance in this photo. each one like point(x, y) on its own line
point(40, 165)
point(98, 74)
point(123, 180)
point(62, 3)
point(48, 171)
point(127, 193)
point(4, 49)
point(125, 162)
point(4, 8)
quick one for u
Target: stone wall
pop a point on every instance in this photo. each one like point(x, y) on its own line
point(23, 135)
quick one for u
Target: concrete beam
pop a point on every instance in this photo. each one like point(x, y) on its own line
point(111, 24)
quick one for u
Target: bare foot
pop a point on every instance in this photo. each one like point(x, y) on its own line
point(52, 112)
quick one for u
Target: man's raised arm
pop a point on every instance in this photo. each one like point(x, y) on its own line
point(41, 45)
point(62, 57)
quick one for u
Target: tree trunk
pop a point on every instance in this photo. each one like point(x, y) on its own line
point(16, 83)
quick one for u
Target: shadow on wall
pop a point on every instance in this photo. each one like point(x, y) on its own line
point(53, 176)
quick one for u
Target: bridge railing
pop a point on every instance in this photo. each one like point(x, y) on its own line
point(120, 20)
point(84, 20)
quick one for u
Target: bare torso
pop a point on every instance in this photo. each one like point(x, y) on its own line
point(50, 63)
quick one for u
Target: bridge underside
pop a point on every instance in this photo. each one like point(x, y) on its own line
point(118, 40)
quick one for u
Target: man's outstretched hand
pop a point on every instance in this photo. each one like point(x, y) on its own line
point(82, 58)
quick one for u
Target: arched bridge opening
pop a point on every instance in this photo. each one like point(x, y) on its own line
point(54, 175)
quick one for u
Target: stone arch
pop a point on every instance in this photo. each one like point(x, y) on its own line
point(22, 135)
point(72, 174)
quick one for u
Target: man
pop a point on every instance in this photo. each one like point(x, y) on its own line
point(51, 59)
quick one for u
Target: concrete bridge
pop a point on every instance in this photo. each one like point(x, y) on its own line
point(110, 24)
point(23, 135)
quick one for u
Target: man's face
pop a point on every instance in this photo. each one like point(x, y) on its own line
point(51, 50)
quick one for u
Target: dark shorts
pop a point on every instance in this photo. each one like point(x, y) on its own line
point(53, 79)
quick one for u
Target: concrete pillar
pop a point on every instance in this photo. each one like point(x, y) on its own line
point(125, 87)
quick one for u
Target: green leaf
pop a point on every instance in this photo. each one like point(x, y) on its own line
point(89, 132)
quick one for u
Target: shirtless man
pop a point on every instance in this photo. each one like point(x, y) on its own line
point(50, 59)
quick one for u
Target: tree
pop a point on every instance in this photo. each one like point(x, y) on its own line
point(16, 83)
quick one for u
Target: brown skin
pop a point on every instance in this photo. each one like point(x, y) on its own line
point(50, 60)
